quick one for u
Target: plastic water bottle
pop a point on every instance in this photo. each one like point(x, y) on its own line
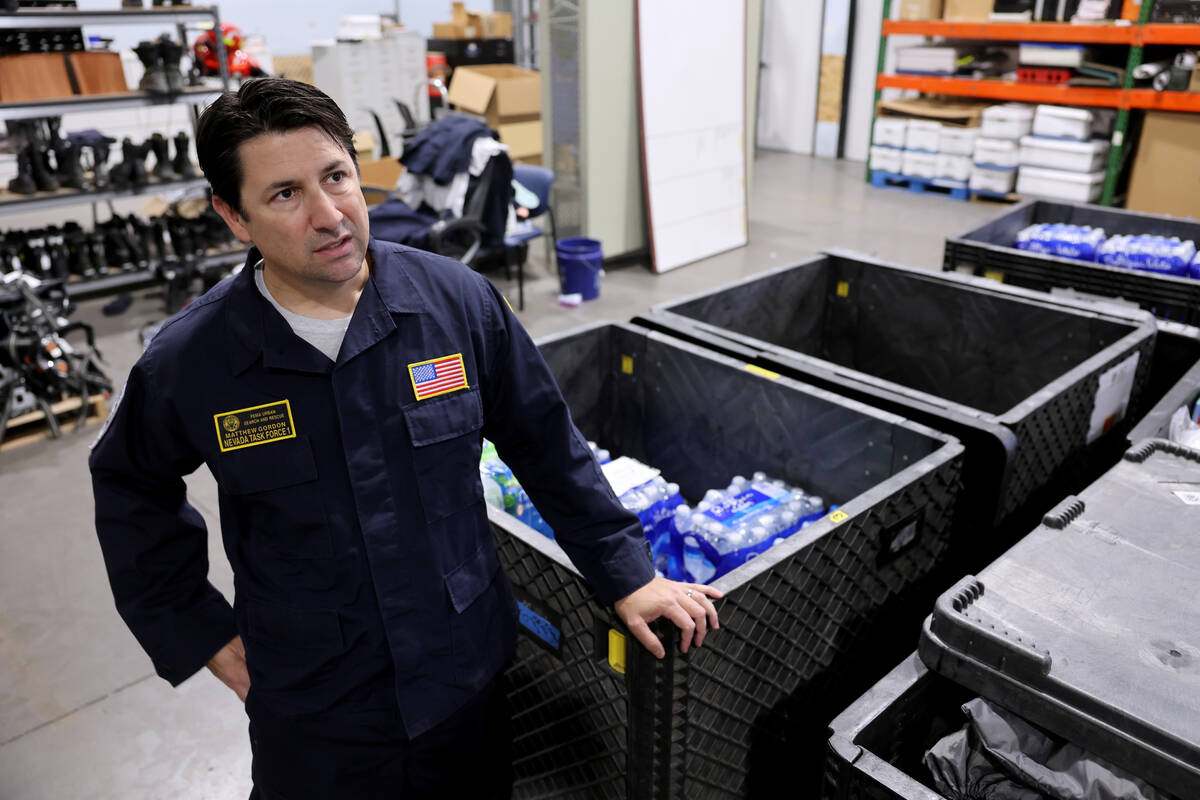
point(602, 455)
point(1194, 269)
point(696, 565)
point(492, 494)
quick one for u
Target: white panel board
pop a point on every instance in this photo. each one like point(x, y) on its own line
point(692, 80)
point(868, 20)
point(791, 63)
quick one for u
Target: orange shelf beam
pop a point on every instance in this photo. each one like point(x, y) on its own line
point(1007, 90)
point(1161, 33)
point(1017, 31)
point(1163, 101)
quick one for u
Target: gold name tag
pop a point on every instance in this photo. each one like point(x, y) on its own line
point(247, 427)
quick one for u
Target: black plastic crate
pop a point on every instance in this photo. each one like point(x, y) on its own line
point(990, 251)
point(802, 626)
point(876, 746)
point(1185, 393)
point(1087, 627)
point(1013, 374)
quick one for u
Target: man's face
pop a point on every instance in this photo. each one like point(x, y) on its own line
point(303, 207)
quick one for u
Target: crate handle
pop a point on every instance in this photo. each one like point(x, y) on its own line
point(1064, 513)
point(958, 622)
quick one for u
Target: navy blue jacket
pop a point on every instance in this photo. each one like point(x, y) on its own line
point(443, 149)
point(352, 514)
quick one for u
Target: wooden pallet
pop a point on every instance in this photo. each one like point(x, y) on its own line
point(995, 197)
point(892, 180)
point(32, 427)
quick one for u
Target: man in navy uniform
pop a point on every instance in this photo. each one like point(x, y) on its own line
point(338, 388)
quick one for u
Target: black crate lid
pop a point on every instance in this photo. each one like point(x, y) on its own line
point(1090, 626)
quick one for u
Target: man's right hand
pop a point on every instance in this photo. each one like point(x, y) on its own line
point(229, 665)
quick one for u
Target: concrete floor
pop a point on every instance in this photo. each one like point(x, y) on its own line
point(82, 714)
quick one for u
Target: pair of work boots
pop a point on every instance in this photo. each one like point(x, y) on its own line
point(132, 169)
point(161, 59)
point(35, 173)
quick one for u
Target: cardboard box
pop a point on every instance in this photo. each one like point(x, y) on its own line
point(1194, 83)
point(1166, 168)
point(500, 93)
point(497, 25)
point(524, 139)
point(920, 9)
point(973, 10)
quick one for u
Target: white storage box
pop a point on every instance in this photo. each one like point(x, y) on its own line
point(1061, 122)
point(919, 164)
point(996, 181)
point(923, 135)
point(997, 152)
point(890, 131)
point(956, 168)
point(957, 141)
point(1043, 54)
point(887, 159)
point(1064, 154)
point(1057, 184)
point(1009, 121)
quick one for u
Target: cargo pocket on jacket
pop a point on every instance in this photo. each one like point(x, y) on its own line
point(277, 497)
point(483, 618)
point(291, 653)
point(446, 448)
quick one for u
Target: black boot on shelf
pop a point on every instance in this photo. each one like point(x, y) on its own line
point(182, 163)
point(161, 148)
point(154, 80)
point(137, 248)
point(78, 251)
point(100, 152)
point(42, 175)
point(133, 159)
point(143, 234)
point(56, 249)
point(96, 251)
point(23, 183)
point(34, 257)
point(171, 53)
point(70, 170)
point(116, 251)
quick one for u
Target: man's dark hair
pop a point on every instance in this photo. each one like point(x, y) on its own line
point(261, 105)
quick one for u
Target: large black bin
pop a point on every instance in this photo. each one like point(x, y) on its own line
point(594, 715)
point(1012, 373)
point(990, 251)
point(1085, 628)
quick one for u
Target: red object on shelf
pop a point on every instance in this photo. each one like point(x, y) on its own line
point(1043, 75)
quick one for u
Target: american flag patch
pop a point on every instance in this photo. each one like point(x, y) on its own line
point(438, 376)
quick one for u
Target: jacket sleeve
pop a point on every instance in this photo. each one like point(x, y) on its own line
point(527, 419)
point(155, 543)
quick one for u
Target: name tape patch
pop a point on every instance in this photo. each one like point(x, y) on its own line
point(438, 376)
point(247, 427)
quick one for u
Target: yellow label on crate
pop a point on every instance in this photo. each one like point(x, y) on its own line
point(843, 289)
point(616, 650)
point(248, 427)
point(766, 373)
point(627, 364)
point(994, 275)
point(838, 517)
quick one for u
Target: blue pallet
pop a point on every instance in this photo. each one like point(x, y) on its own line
point(890, 180)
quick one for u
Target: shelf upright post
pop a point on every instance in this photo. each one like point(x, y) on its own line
point(880, 63)
point(1116, 153)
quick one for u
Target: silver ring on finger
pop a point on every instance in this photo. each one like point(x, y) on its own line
point(689, 593)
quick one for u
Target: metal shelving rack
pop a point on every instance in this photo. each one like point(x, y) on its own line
point(1134, 33)
point(193, 96)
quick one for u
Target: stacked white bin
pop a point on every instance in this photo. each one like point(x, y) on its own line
point(1061, 160)
point(918, 148)
point(997, 149)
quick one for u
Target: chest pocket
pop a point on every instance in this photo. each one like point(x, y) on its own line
point(277, 497)
point(445, 434)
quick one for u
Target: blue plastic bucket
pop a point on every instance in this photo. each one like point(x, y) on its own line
point(579, 268)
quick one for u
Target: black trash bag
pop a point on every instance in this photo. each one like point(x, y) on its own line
point(999, 756)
